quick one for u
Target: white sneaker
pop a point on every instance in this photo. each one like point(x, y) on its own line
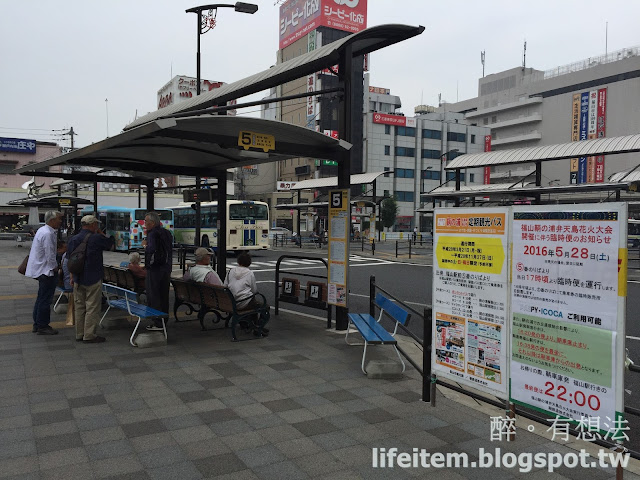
point(153, 328)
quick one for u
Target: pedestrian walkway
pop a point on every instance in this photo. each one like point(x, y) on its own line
point(293, 405)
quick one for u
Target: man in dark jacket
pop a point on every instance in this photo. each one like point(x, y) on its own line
point(158, 259)
point(87, 286)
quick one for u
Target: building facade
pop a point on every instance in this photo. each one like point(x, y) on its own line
point(414, 150)
point(593, 98)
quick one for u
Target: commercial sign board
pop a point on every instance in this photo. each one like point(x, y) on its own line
point(390, 119)
point(285, 186)
point(588, 121)
point(487, 170)
point(181, 88)
point(19, 145)
point(568, 307)
point(381, 91)
point(470, 297)
point(299, 17)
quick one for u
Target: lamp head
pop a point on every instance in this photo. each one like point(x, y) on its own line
point(246, 7)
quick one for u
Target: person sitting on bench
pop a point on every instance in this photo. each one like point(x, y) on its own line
point(242, 283)
point(202, 271)
point(139, 272)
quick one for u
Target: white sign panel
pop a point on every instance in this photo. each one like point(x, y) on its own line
point(470, 297)
point(567, 301)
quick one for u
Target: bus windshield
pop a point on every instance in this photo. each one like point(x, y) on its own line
point(248, 211)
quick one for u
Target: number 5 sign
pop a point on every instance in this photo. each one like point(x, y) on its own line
point(338, 201)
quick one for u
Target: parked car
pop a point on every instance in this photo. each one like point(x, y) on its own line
point(280, 232)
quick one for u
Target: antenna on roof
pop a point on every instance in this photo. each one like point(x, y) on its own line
point(524, 56)
point(482, 61)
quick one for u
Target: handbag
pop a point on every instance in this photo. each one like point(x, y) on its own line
point(22, 269)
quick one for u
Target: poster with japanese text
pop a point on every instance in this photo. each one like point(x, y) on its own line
point(470, 297)
point(338, 247)
point(568, 290)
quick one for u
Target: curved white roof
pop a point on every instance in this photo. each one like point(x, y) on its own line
point(585, 148)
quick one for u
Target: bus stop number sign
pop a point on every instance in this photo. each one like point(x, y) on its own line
point(262, 141)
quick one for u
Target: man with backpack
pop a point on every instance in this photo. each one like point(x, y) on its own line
point(158, 260)
point(85, 264)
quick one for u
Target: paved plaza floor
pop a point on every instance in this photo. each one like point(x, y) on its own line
point(293, 405)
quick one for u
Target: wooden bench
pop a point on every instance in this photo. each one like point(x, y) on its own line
point(127, 300)
point(375, 334)
point(205, 298)
point(121, 277)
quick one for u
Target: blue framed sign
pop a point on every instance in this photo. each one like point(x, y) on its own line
point(19, 145)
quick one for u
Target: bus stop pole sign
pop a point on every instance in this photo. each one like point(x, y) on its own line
point(338, 247)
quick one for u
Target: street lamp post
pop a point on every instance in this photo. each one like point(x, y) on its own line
point(203, 26)
point(209, 22)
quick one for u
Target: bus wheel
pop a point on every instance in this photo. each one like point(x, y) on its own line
point(205, 241)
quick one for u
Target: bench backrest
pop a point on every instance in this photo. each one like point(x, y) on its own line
point(393, 310)
point(217, 297)
point(129, 296)
point(187, 291)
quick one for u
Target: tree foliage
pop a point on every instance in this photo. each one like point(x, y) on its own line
point(389, 212)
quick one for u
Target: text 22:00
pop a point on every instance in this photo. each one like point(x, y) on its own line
point(578, 397)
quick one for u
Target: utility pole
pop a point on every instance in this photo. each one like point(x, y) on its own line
point(73, 134)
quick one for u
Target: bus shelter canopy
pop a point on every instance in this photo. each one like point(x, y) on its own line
point(198, 146)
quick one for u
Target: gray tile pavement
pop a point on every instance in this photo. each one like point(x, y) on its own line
point(293, 405)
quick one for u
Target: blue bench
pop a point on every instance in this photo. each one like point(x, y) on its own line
point(127, 300)
point(372, 332)
point(62, 291)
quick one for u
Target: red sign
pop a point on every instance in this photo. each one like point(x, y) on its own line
point(487, 170)
point(380, 90)
point(299, 17)
point(388, 119)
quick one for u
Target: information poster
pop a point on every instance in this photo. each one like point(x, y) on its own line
point(568, 291)
point(338, 247)
point(470, 297)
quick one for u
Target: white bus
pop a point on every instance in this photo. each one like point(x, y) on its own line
point(247, 225)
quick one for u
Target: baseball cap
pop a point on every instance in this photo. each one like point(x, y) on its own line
point(88, 220)
point(202, 252)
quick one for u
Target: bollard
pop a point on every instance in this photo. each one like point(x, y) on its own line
point(432, 395)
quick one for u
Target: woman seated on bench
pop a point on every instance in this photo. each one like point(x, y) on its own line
point(139, 273)
point(202, 271)
point(242, 283)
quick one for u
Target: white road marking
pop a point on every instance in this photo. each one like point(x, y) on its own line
point(629, 337)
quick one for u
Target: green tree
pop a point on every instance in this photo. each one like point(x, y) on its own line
point(389, 211)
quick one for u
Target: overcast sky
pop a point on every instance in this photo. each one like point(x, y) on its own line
point(62, 59)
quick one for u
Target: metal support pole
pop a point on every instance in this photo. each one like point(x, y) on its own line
point(345, 117)
point(95, 198)
point(150, 199)
point(139, 196)
point(198, 26)
point(372, 295)
point(222, 223)
point(198, 236)
point(426, 357)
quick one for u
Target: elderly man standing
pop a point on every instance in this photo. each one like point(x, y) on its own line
point(43, 266)
point(87, 286)
point(158, 260)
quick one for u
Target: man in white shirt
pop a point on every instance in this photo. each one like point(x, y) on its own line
point(43, 266)
point(202, 271)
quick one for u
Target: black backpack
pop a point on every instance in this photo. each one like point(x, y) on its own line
point(75, 264)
